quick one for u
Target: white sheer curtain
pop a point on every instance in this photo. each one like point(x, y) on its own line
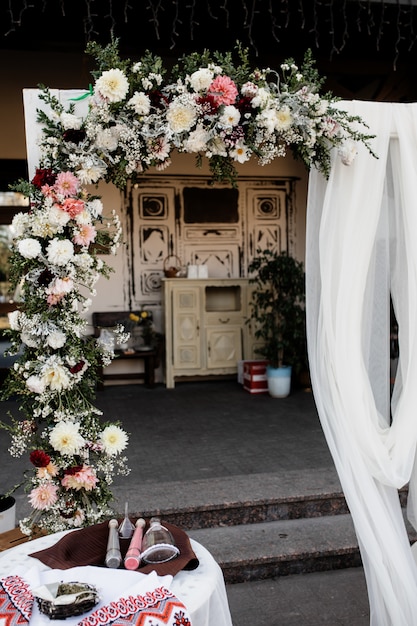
point(362, 246)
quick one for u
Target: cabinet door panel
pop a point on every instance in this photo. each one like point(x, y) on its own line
point(224, 347)
point(186, 328)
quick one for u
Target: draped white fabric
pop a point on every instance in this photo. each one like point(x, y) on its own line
point(362, 246)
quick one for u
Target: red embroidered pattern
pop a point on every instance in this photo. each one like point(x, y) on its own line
point(159, 604)
point(16, 601)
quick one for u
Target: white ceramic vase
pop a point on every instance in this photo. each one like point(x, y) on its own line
point(279, 381)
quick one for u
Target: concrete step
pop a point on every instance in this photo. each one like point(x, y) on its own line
point(270, 549)
point(238, 500)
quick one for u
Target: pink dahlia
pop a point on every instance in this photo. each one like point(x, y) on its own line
point(72, 206)
point(223, 90)
point(67, 184)
point(80, 477)
point(44, 496)
point(85, 235)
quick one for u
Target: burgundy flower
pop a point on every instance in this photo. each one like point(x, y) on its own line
point(77, 367)
point(158, 100)
point(209, 104)
point(39, 458)
point(73, 470)
point(45, 278)
point(244, 105)
point(73, 135)
point(43, 177)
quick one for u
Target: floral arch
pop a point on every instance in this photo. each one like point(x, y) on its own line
point(138, 113)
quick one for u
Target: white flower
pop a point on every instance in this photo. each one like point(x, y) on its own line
point(230, 116)
point(114, 439)
point(29, 248)
point(35, 384)
point(95, 207)
point(201, 79)
point(140, 103)
point(217, 147)
point(14, 320)
point(65, 438)
point(240, 152)
point(249, 90)
point(91, 172)
point(19, 224)
point(261, 99)
point(107, 139)
point(56, 339)
point(27, 338)
point(283, 118)
point(71, 121)
point(60, 251)
point(112, 85)
point(181, 116)
point(57, 217)
point(348, 152)
point(55, 375)
point(197, 140)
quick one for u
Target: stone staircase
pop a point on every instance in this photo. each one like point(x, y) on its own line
point(262, 525)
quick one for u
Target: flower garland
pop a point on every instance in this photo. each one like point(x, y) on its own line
point(139, 114)
point(137, 117)
point(74, 456)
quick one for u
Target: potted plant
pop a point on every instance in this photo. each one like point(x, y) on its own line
point(278, 316)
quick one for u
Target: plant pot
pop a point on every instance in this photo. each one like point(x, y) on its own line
point(7, 513)
point(279, 381)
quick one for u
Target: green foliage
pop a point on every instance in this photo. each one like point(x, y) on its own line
point(278, 308)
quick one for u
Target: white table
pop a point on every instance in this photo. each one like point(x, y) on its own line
point(201, 590)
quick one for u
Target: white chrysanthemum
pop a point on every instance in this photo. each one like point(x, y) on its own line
point(70, 121)
point(201, 79)
point(56, 376)
point(114, 439)
point(91, 172)
point(57, 217)
point(29, 248)
point(14, 321)
point(112, 85)
point(65, 438)
point(230, 116)
point(56, 339)
point(35, 384)
point(140, 102)
point(60, 251)
point(107, 139)
point(19, 225)
point(181, 116)
point(240, 152)
point(283, 118)
point(83, 218)
point(197, 140)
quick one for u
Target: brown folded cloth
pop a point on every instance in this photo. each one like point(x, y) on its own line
point(88, 546)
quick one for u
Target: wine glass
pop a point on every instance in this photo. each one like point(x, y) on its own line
point(158, 544)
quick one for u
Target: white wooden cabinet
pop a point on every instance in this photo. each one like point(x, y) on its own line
point(205, 326)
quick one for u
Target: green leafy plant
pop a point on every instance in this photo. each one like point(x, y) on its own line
point(278, 308)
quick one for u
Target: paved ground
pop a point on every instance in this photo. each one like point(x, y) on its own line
point(215, 430)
